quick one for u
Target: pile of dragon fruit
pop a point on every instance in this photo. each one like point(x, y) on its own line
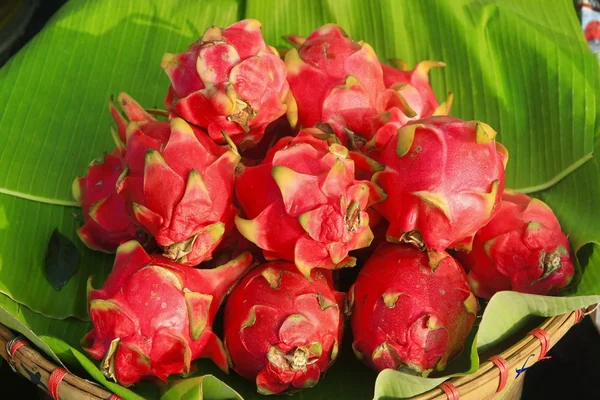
point(264, 176)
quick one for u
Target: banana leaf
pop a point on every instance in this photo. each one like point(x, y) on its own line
point(522, 67)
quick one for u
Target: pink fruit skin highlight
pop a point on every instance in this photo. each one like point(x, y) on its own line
point(522, 249)
point(229, 80)
point(443, 178)
point(153, 317)
point(410, 309)
point(283, 330)
point(303, 204)
point(179, 186)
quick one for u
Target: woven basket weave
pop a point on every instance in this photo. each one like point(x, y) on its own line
point(499, 378)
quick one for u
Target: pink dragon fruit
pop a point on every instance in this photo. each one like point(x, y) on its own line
point(283, 330)
point(521, 249)
point(338, 81)
point(410, 310)
point(304, 204)
point(107, 223)
point(153, 317)
point(179, 185)
point(230, 80)
point(443, 179)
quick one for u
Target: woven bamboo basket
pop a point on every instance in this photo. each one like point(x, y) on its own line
point(499, 376)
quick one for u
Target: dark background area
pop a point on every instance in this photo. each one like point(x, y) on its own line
point(572, 372)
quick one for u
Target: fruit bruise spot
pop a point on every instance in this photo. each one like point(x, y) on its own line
point(296, 359)
point(353, 220)
point(243, 114)
point(550, 263)
point(178, 251)
point(415, 238)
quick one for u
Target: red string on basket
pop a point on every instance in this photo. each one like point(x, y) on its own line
point(578, 315)
point(16, 345)
point(544, 339)
point(54, 381)
point(450, 390)
point(502, 366)
point(115, 397)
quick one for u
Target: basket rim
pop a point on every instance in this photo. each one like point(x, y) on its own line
point(483, 383)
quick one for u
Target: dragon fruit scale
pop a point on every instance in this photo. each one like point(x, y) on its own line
point(419, 102)
point(107, 223)
point(283, 330)
point(415, 88)
point(229, 80)
point(179, 186)
point(443, 178)
point(304, 205)
point(153, 317)
point(338, 81)
point(521, 249)
point(410, 310)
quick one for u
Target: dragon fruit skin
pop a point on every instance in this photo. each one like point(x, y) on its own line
point(283, 330)
point(304, 185)
point(337, 81)
point(443, 179)
point(107, 223)
point(179, 185)
point(229, 80)
point(153, 317)
point(522, 249)
point(410, 309)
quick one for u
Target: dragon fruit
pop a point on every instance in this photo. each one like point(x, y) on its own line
point(107, 223)
point(283, 330)
point(304, 204)
point(153, 317)
point(521, 249)
point(179, 186)
point(443, 179)
point(230, 80)
point(410, 309)
point(338, 81)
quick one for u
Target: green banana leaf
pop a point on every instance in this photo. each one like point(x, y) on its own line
point(523, 67)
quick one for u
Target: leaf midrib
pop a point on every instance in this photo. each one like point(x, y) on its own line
point(39, 199)
point(559, 177)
